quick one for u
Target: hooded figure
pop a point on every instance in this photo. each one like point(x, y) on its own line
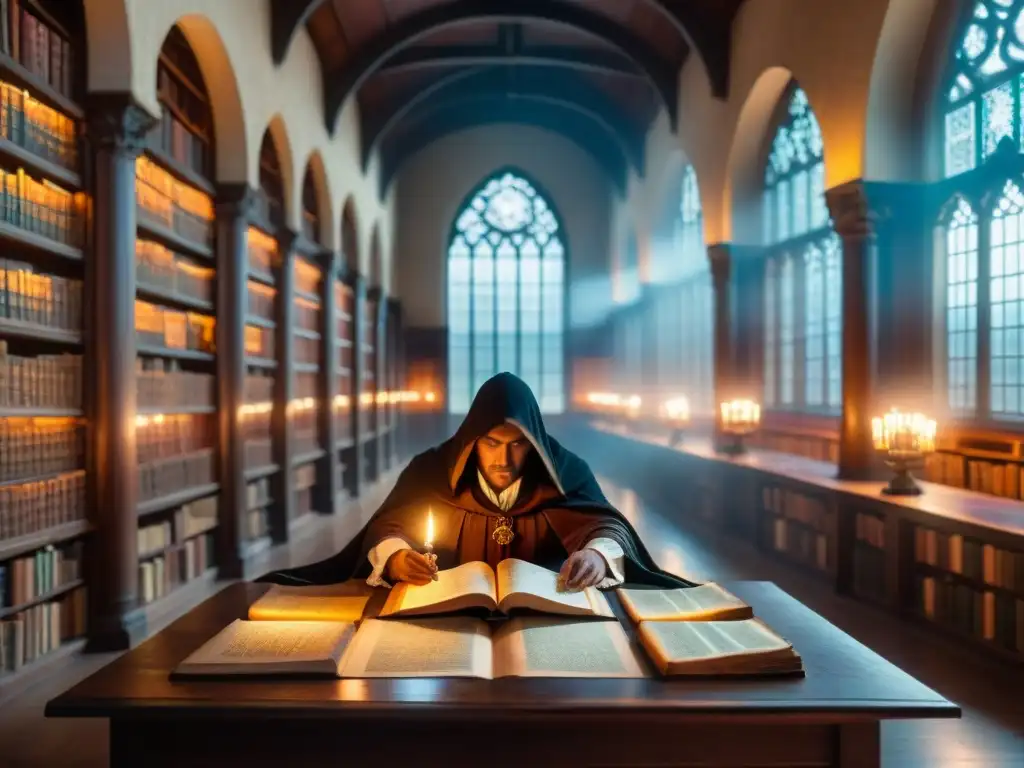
point(550, 507)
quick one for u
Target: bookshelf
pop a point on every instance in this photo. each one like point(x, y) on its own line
point(44, 531)
point(342, 401)
point(308, 353)
point(370, 419)
point(175, 325)
point(392, 385)
point(798, 526)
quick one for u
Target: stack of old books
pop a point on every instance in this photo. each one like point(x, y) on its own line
point(514, 621)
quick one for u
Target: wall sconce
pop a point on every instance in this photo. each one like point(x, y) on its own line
point(904, 439)
point(738, 419)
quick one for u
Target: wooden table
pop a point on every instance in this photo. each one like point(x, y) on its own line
point(830, 717)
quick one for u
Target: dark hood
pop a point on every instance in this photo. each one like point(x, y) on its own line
point(503, 399)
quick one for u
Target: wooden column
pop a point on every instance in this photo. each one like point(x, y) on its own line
point(721, 267)
point(398, 375)
point(327, 483)
point(853, 223)
point(235, 206)
point(747, 319)
point(117, 128)
point(282, 487)
point(359, 418)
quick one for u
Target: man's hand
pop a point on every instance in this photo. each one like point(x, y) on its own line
point(584, 568)
point(409, 565)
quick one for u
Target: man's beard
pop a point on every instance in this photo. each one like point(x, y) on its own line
point(494, 472)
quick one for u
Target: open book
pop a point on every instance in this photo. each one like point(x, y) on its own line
point(746, 647)
point(515, 584)
point(458, 646)
point(332, 602)
point(708, 602)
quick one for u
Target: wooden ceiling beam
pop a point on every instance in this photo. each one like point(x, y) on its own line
point(578, 59)
point(339, 86)
point(286, 17)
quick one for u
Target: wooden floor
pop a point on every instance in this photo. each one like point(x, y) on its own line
point(990, 735)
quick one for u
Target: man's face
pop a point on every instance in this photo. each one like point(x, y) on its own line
point(501, 455)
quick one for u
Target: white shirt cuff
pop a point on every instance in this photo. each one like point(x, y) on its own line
point(379, 556)
point(614, 558)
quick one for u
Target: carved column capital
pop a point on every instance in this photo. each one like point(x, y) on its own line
point(236, 201)
point(855, 213)
point(116, 121)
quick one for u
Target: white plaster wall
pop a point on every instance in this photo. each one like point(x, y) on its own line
point(433, 183)
point(231, 39)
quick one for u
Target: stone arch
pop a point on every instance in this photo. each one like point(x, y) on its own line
point(350, 234)
point(744, 182)
point(316, 169)
point(277, 132)
point(109, 45)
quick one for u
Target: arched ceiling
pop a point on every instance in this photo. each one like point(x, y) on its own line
point(596, 71)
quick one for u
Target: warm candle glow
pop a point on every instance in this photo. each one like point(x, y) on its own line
point(904, 434)
point(677, 408)
point(740, 416)
point(430, 529)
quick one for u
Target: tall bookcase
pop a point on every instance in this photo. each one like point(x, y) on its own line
point(368, 397)
point(343, 402)
point(43, 228)
point(307, 346)
point(175, 315)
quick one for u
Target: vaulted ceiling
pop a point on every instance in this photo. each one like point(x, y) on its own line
point(596, 71)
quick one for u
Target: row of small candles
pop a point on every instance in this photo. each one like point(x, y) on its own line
point(904, 439)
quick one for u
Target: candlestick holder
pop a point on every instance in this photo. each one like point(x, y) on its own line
point(905, 439)
point(738, 418)
point(428, 552)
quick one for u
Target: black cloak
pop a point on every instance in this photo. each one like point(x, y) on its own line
point(562, 498)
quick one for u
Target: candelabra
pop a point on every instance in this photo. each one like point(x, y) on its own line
point(905, 439)
point(738, 418)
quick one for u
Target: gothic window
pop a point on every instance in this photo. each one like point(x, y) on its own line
point(803, 289)
point(506, 266)
point(983, 261)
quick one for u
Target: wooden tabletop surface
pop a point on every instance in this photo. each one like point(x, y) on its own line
point(844, 681)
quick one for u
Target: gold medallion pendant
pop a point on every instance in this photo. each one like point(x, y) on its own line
point(503, 533)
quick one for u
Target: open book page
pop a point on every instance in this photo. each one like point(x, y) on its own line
point(717, 647)
point(331, 602)
point(538, 646)
point(271, 647)
point(708, 602)
point(525, 585)
point(458, 646)
point(470, 585)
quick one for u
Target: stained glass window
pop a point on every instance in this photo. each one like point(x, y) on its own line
point(984, 98)
point(803, 289)
point(506, 288)
point(1006, 291)
point(962, 309)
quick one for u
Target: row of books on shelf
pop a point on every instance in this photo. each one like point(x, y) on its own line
point(259, 342)
point(305, 442)
point(797, 541)
point(163, 269)
point(37, 46)
point(164, 437)
point(41, 207)
point(159, 576)
point(812, 447)
point(306, 350)
point(165, 477)
point(805, 509)
point(257, 493)
point(166, 201)
point(996, 618)
point(307, 278)
point(40, 505)
point(259, 452)
point(303, 482)
point(41, 629)
point(188, 521)
point(262, 251)
point(42, 381)
point(259, 387)
point(307, 315)
point(38, 299)
point(261, 300)
point(25, 579)
point(37, 127)
point(306, 385)
point(999, 478)
point(985, 564)
point(164, 327)
point(32, 448)
point(870, 530)
point(161, 384)
point(171, 136)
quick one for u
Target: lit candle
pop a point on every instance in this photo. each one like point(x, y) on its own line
point(428, 544)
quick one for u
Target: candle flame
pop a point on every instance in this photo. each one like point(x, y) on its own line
point(430, 528)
